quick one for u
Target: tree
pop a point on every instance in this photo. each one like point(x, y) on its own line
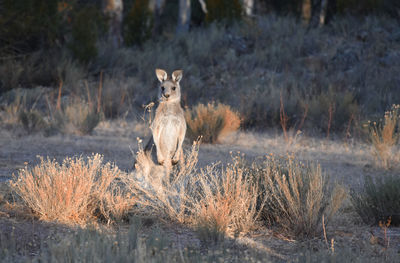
point(113, 10)
point(183, 16)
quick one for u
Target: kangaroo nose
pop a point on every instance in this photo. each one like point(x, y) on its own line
point(166, 95)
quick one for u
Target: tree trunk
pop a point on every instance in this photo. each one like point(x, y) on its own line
point(322, 15)
point(157, 8)
point(248, 6)
point(306, 9)
point(113, 9)
point(184, 16)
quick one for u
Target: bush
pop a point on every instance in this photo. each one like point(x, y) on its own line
point(78, 117)
point(378, 200)
point(297, 196)
point(226, 203)
point(86, 32)
point(211, 121)
point(384, 137)
point(223, 10)
point(74, 192)
point(215, 202)
point(138, 23)
point(32, 120)
point(27, 27)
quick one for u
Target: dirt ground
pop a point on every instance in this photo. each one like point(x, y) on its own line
point(346, 163)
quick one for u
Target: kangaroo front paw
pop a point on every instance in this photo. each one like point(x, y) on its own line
point(161, 162)
point(175, 162)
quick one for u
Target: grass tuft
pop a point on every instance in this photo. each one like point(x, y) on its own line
point(378, 200)
point(384, 138)
point(298, 196)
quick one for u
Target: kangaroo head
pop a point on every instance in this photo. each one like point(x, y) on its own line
point(169, 89)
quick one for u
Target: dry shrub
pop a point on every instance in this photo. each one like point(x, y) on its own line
point(226, 202)
point(384, 138)
point(214, 201)
point(211, 121)
point(298, 196)
point(75, 191)
point(161, 194)
point(10, 113)
point(78, 117)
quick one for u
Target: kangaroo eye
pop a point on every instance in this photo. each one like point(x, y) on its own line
point(173, 88)
point(162, 88)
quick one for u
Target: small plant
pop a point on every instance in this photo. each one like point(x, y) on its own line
point(32, 120)
point(384, 137)
point(226, 203)
point(297, 196)
point(211, 121)
point(74, 192)
point(77, 117)
point(378, 200)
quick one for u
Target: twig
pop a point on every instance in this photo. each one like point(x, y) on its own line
point(323, 227)
point(58, 107)
point(99, 93)
point(284, 119)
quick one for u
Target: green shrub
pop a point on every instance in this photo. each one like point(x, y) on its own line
point(28, 26)
point(87, 26)
point(32, 120)
point(378, 200)
point(138, 23)
point(297, 196)
point(223, 10)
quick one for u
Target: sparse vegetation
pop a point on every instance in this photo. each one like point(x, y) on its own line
point(297, 196)
point(384, 137)
point(211, 122)
point(378, 199)
point(74, 192)
point(227, 202)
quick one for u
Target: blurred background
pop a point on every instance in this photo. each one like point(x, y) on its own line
point(320, 66)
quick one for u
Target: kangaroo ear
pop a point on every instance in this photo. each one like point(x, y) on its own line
point(177, 75)
point(161, 75)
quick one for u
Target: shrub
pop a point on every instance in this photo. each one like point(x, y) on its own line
point(297, 196)
point(378, 200)
point(223, 10)
point(215, 202)
point(138, 23)
point(85, 32)
point(74, 191)
point(211, 121)
point(384, 137)
point(226, 202)
point(26, 27)
point(32, 120)
point(77, 117)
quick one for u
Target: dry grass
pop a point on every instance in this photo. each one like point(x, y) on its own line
point(74, 192)
point(384, 138)
point(76, 117)
point(298, 196)
point(215, 201)
point(211, 121)
point(226, 203)
point(161, 194)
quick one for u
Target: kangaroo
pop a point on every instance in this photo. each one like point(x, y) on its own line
point(169, 126)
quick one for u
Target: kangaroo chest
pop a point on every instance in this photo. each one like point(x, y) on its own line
point(168, 118)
